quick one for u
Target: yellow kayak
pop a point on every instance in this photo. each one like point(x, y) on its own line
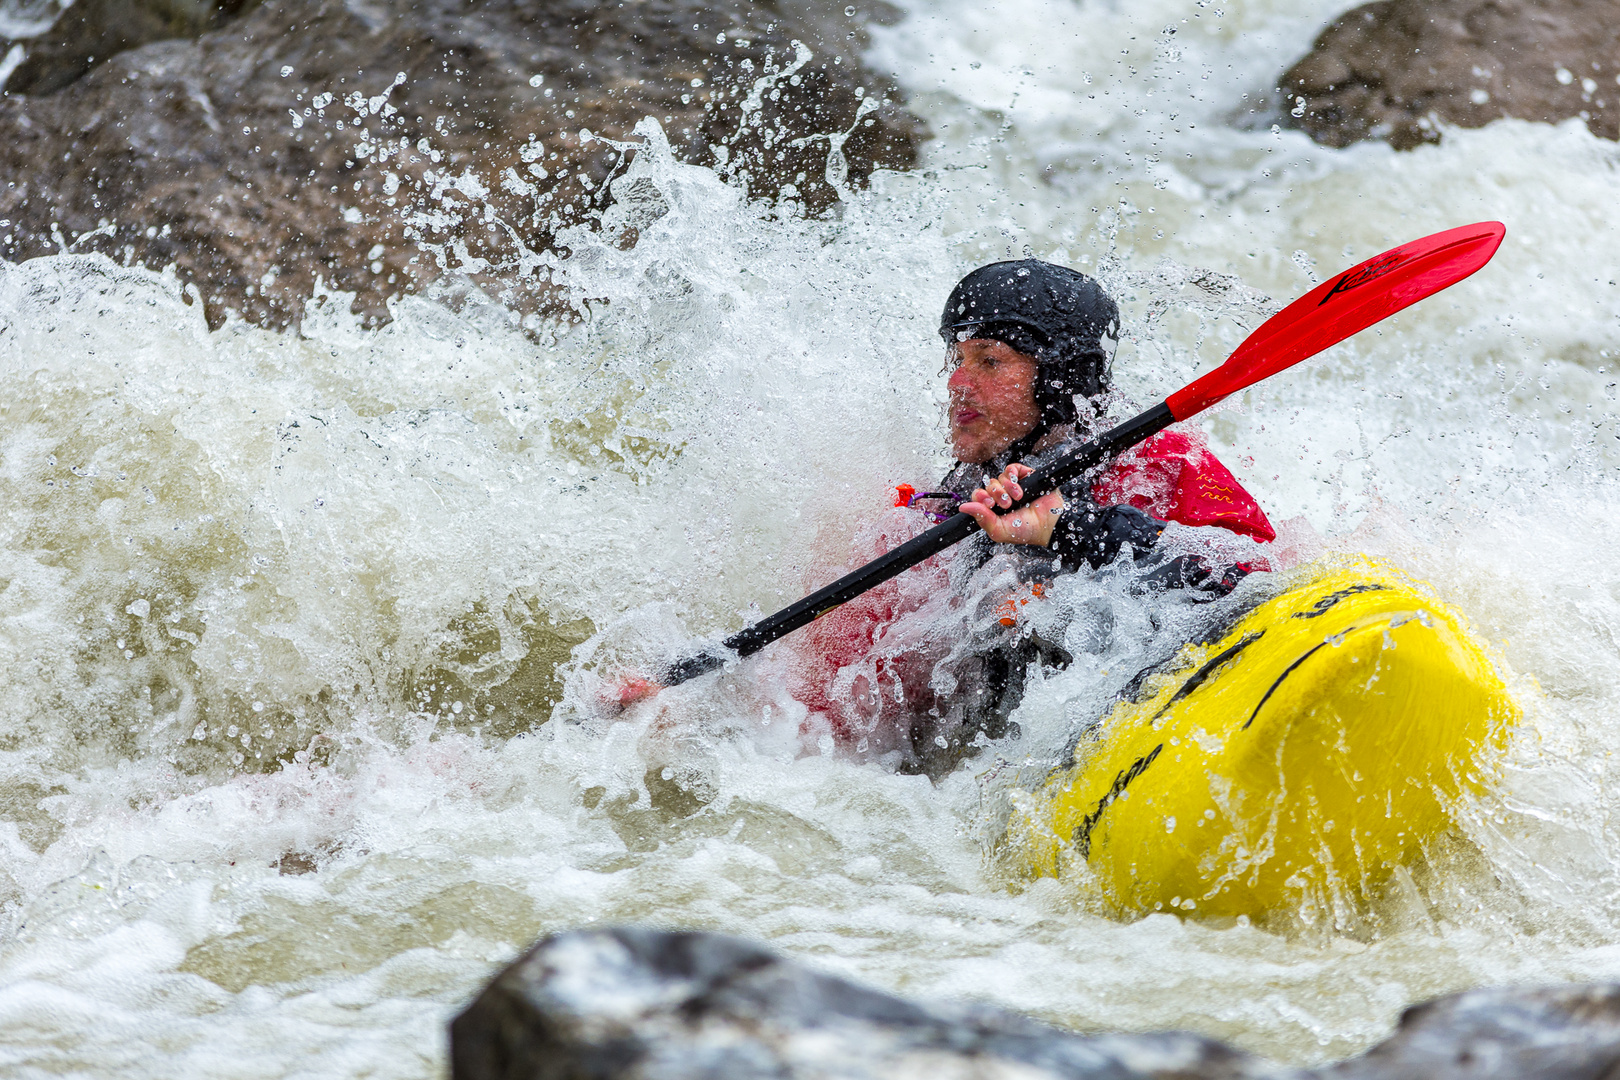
point(1316, 746)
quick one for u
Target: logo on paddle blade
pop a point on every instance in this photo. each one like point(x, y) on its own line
point(1354, 279)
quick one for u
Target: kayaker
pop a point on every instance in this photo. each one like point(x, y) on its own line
point(1029, 377)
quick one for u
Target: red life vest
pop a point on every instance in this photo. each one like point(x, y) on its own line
point(1174, 477)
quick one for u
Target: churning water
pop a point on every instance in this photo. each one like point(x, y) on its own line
point(281, 614)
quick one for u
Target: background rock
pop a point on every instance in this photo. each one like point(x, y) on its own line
point(650, 1004)
point(214, 153)
point(1389, 70)
point(94, 30)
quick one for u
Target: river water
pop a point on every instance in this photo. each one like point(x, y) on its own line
point(281, 614)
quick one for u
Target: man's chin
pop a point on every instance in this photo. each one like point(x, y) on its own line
point(970, 453)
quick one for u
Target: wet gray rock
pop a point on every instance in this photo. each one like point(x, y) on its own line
point(98, 29)
point(1393, 69)
point(1547, 1033)
point(211, 150)
point(638, 1004)
point(657, 1005)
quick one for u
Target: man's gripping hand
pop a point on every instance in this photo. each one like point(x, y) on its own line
point(1031, 524)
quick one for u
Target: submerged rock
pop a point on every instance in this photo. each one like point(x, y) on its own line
point(1395, 69)
point(654, 1004)
point(305, 139)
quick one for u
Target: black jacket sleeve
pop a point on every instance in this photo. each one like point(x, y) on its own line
point(1090, 535)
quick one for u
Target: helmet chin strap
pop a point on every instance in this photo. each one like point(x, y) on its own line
point(1020, 449)
point(1024, 446)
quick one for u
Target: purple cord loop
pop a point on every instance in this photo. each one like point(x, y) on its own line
point(937, 516)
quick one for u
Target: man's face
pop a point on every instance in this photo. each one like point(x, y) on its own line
point(992, 398)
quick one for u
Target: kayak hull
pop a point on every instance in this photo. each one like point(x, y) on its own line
point(1319, 744)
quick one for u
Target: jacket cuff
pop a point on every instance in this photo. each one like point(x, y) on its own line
point(1093, 536)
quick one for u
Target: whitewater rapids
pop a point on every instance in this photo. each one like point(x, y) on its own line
point(287, 763)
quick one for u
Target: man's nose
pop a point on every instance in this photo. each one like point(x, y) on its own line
point(960, 379)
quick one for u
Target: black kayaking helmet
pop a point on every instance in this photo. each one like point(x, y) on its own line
point(1057, 315)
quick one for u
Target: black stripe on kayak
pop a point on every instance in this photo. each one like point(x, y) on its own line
point(1082, 831)
point(1202, 675)
point(1326, 602)
point(1289, 670)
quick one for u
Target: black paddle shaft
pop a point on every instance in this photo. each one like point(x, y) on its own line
point(959, 526)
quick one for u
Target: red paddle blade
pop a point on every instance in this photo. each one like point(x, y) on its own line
point(1346, 305)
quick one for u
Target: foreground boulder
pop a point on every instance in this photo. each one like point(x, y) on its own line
point(626, 1003)
point(1394, 69)
point(657, 1005)
point(1547, 1033)
point(260, 146)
